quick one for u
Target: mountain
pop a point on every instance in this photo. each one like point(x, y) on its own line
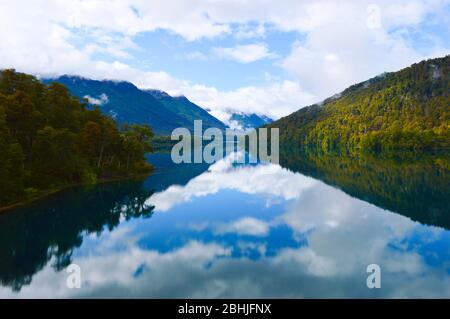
point(408, 109)
point(247, 121)
point(126, 103)
point(182, 106)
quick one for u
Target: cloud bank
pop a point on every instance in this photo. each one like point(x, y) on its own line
point(338, 43)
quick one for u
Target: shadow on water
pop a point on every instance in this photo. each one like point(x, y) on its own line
point(415, 186)
point(50, 229)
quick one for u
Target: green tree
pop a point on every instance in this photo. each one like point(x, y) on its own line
point(50, 139)
point(11, 164)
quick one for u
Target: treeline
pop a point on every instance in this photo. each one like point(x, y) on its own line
point(409, 109)
point(411, 184)
point(49, 139)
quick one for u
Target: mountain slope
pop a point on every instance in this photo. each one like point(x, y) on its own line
point(408, 109)
point(126, 103)
point(247, 121)
point(182, 106)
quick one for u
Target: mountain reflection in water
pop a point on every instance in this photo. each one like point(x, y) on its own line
point(240, 230)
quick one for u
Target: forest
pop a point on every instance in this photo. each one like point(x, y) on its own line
point(412, 184)
point(50, 140)
point(404, 110)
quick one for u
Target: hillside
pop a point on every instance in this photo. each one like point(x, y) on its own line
point(180, 105)
point(408, 109)
point(49, 140)
point(126, 103)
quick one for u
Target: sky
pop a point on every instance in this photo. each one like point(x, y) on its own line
point(269, 57)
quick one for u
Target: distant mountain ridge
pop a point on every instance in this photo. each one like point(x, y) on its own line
point(126, 103)
point(182, 106)
point(408, 109)
point(247, 121)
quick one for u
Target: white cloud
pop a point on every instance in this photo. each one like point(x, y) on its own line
point(343, 235)
point(98, 271)
point(245, 53)
point(102, 99)
point(339, 47)
point(196, 55)
point(25, 49)
point(250, 32)
point(245, 226)
point(275, 99)
point(343, 52)
point(314, 264)
point(223, 175)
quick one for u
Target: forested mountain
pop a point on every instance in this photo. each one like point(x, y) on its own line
point(126, 103)
point(180, 105)
point(253, 120)
point(408, 109)
point(49, 139)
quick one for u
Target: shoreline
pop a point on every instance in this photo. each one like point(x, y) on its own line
point(47, 193)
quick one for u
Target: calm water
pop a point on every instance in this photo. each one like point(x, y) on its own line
point(306, 228)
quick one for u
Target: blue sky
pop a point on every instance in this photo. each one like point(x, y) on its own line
point(263, 56)
point(199, 62)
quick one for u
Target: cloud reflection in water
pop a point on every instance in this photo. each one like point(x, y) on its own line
point(256, 231)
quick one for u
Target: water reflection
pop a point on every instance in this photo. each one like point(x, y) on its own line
point(416, 186)
point(232, 231)
point(51, 229)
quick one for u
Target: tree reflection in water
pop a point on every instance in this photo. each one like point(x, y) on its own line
point(52, 228)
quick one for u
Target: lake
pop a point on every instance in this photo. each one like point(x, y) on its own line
point(307, 228)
